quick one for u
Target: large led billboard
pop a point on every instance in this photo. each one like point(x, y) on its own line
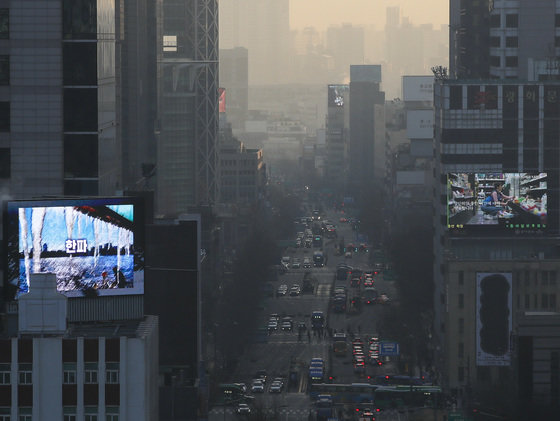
point(493, 319)
point(94, 246)
point(337, 95)
point(492, 202)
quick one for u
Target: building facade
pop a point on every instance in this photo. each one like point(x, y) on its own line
point(492, 134)
point(187, 129)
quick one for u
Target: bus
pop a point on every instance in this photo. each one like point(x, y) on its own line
point(317, 241)
point(318, 259)
point(231, 393)
point(345, 394)
point(317, 320)
point(399, 397)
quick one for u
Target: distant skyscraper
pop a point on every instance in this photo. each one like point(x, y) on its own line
point(346, 44)
point(367, 126)
point(263, 27)
point(234, 77)
point(188, 104)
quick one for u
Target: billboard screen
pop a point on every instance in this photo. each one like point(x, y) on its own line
point(94, 246)
point(510, 202)
point(337, 95)
point(420, 124)
point(493, 319)
point(418, 88)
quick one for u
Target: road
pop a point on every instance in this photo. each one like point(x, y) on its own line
point(288, 351)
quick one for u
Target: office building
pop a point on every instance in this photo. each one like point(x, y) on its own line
point(187, 128)
point(336, 135)
point(345, 43)
point(504, 39)
point(54, 369)
point(493, 134)
point(366, 147)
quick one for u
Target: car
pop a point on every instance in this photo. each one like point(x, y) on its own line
point(295, 290)
point(343, 219)
point(282, 290)
point(307, 263)
point(243, 386)
point(383, 299)
point(243, 409)
point(272, 325)
point(348, 255)
point(302, 326)
point(296, 264)
point(257, 386)
point(287, 326)
point(276, 387)
point(261, 375)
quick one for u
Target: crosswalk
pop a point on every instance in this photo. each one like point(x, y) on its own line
point(323, 290)
point(269, 411)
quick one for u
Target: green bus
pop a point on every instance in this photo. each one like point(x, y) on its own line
point(400, 397)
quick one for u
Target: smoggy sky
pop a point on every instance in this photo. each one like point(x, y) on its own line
point(322, 13)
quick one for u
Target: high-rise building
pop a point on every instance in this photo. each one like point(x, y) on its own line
point(234, 77)
point(336, 137)
point(187, 128)
point(493, 261)
point(59, 99)
point(515, 39)
point(367, 127)
point(346, 44)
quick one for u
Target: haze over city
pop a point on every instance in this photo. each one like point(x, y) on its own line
point(322, 13)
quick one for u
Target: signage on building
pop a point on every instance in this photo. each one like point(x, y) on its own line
point(493, 319)
point(93, 246)
point(420, 124)
point(418, 88)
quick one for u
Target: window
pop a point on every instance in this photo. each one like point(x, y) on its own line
point(25, 373)
point(552, 277)
point(25, 414)
point(455, 97)
point(495, 61)
point(461, 374)
point(544, 277)
point(557, 20)
point(4, 23)
point(90, 376)
point(81, 156)
point(112, 376)
point(552, 301)
point(494, 41)
point(69, 417)
point(69, 377)
point(461, 325)
point(461, 301)
point(527, 301)
point(511, 61)
point(112, 417)
point(5, 163)
point(4, 70)
point(461, 277)
point(90, 413)
point(544, 300)
point(90, 417)
point(80, 110)
point(80, 64)
point(69, 413)
point(512, 42)
point(5, 375)
point(461, 350)
point(512, 21)
point(4, 417)
point(495, 21)
point(4, 116)
point(79, 19)
point(25, 417)
point(112, 413)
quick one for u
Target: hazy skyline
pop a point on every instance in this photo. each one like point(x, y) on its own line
point(322, 13)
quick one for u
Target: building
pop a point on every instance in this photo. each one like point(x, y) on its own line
point(242, 171)
point(513, 39)
point(51, 369)
point(187, 129)
point(60, 99)
point(346, 44)
point(490, 132)
point(234, 77)
point(366, 147)
point(336, 135)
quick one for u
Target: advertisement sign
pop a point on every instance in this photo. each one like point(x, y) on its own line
point(493, 319)
point(494, 202)
point(94, 246)
point(420, 124)
point(337, 95)
point(418, 88)
point(222, 100)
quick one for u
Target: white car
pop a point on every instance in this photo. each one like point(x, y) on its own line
point(243, 408)
point(282, 290)
point(258, 386)
point(276, 387)
point(296, 264)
